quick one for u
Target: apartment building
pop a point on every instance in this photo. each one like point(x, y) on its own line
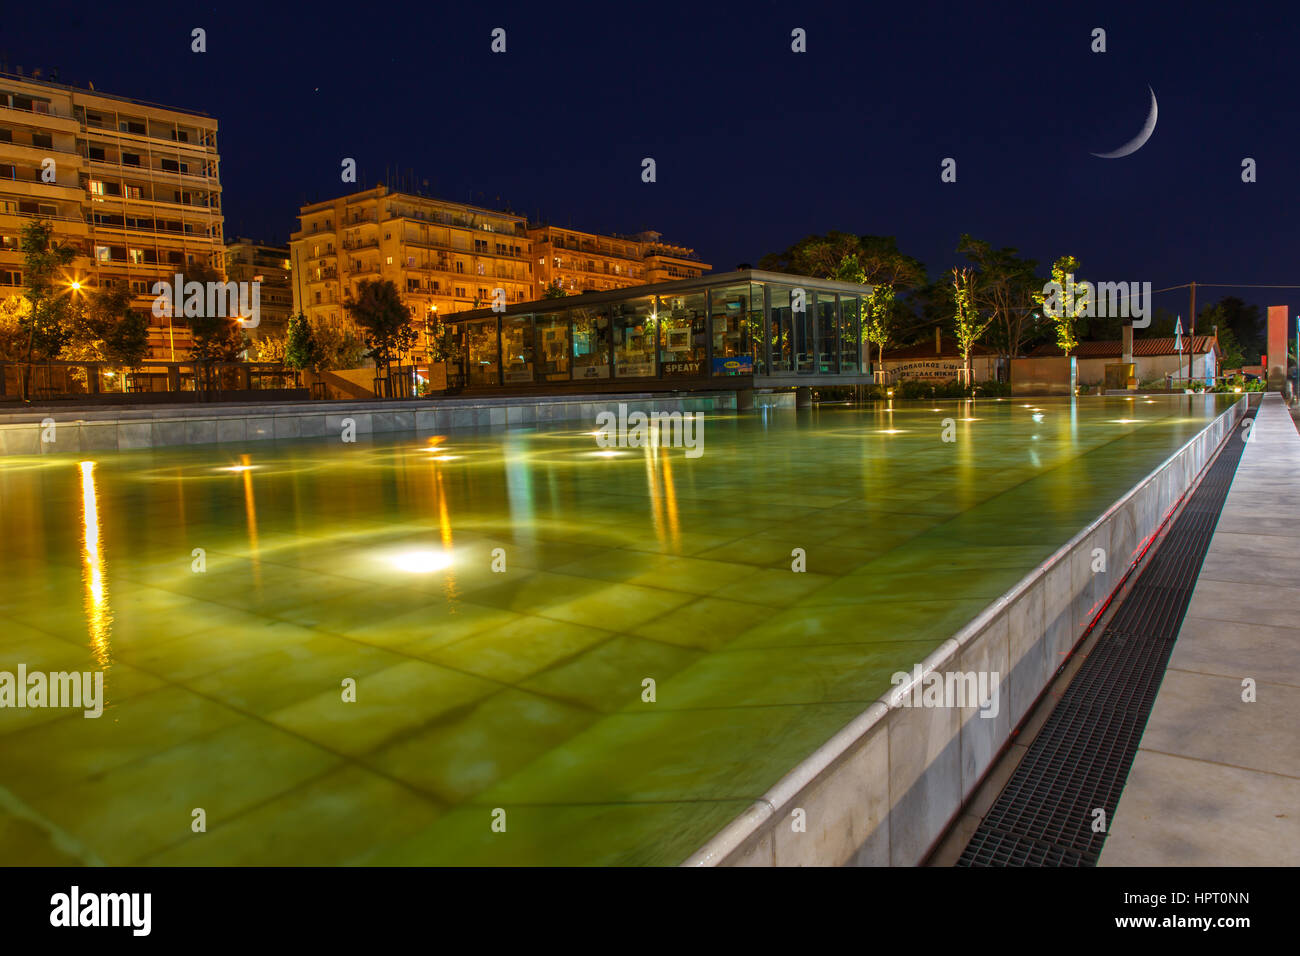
point(271, 268)
point(586, 262)
point(445, 257)
point(134, 186)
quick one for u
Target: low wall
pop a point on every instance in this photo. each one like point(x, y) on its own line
point(884, 789)
point(1047, 375)
point(116, 429)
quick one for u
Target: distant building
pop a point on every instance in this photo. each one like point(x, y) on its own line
point(1153, 358)
point(134, 186)
point(586, 262)
point(448, 257)
point(269, 266)
point(937, 361)
point(443, 256)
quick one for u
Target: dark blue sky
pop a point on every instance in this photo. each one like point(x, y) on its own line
point(756, 146)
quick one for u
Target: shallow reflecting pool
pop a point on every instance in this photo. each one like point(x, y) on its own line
point(496, 601)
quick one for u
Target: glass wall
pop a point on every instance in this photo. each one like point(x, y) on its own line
point(633, 326)
point(801, 331)
point(681, 334)
point(552, 347)
point(517, 348)
point(850, 334)
point(826, 329)
point(779, 326)
point(591, 343)
point(736, 317)
point(481, 363)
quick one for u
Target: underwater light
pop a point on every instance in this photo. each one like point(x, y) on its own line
point(421, 562)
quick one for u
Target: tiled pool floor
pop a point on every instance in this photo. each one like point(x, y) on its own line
point(519, 689)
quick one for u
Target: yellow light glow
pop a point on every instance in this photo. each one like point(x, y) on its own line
point(238, 468)
point(892, 431)
point(76, 286)
point(98, 616)
point(421, 562)
point(446, 457)
point(608, 453)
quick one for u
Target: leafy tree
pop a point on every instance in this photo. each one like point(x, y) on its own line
point(104, 328)
point(555, 291)
point(970, 325)
point(879, 258)
point(878, 324)
point(1233, 354)
point(217, 338)
point(301, 350)
point(384, 320)
point(47, 322)
point(14, 310)
point(1064, 304)
point(1004, 288)
point(336, 348)
point(1246, 322)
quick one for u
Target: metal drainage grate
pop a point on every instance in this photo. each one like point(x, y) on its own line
point(1081, 758)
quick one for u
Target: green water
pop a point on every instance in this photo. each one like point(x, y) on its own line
point(518, 689)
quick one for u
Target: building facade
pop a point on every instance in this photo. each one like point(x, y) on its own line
point(135, 187)
point(270, 267)
point(729, 330)
point(447, 257)
point(579, 262)
point(444, 257)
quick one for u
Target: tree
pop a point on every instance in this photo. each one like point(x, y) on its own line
point(217, 338)
point(384, 320)
point(1004, 289)
point(878, 324)
point(878, 257)
point(1246, 322)
point(1233, 354)
point(14, 310)
point(301, 351)
point(555, 291)
point(970, 325)
point(1064, 302)
point(336, 348)
point(47, 322)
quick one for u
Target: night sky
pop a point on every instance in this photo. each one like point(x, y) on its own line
point(756, 146)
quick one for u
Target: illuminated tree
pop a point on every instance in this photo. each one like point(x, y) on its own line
point(1064, 301)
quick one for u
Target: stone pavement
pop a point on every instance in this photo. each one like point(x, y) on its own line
point(1216, 780)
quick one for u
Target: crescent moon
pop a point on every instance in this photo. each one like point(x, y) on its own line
point(1138, 141)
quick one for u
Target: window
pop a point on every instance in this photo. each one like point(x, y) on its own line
point(96, 188)
point(633, 328)
point(8, 277)
point(552, 347)
point(101, 253)
point(6, 136)
point(42, 140)
point(132, 192)
point(517, 348)
point(681, 334)
point(482, 360)
point(136, 256)
point(460, 267)
point(130, 159)
point(96, 152)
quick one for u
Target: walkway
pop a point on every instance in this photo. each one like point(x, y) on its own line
point(1216, 780)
